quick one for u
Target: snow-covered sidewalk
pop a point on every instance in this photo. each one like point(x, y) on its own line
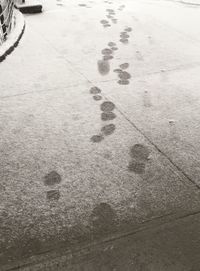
point(100, 151)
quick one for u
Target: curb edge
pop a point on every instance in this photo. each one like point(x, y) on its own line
point(9, 49)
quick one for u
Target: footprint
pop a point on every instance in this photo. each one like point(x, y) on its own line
point(103, 67)
point(128, 29)
point(123, 82)
point(105, 116)
point(107, 25)
point(104, 22)
point(124, 35)
point(106, 51)
point(107, 106)
point(97, 97)
point(52, 178)
point(111, 44)
point(95, 90)
point(124, 66)
point(139, 152)
point(108, 129)
point(107, 57)
point(53, 195)
point(114, 48)
point(124, 75)
point(82, 5)
point(117, 70)
point(97, 138)
point(124, 41)
point(140, 156)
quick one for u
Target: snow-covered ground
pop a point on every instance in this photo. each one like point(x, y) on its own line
point(99, 109)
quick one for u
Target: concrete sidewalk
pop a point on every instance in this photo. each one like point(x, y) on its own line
point(99, 111)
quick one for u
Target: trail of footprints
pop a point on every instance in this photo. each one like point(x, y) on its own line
point(110, 18)
point(139, 153)
point(107, 114)
point(111, 15)
point(124, 35)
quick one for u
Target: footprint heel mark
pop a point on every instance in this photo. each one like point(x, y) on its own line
point(123, 82)
point(117, 70)
point(108, 129)
point(137, 167)
point(53, 195)
point(97, 138)
point(105, 116)
point(52, 179)
point(140, 156)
